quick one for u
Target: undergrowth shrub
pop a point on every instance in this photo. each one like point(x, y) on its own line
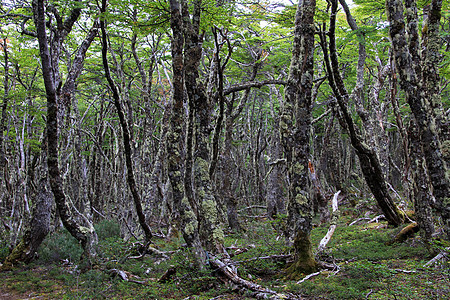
point(107, 229)
point(4, 248)
point(60, 245)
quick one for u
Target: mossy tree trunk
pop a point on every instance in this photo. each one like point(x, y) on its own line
point(176, 153)
point(421, 186)
point(295, 125)
point(420, 89)
point(36, 229)
point(199, 127)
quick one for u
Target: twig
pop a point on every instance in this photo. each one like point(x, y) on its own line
point(357, 220)
point(308, 277)
point(376, 219)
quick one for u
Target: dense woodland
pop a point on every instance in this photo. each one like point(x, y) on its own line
point(174, 129)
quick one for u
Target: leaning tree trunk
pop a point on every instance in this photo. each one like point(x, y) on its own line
point(370, 165)
point(4, 105)
point(36, 230)
point(419, 93)
point(295, 126)
point(85, 235)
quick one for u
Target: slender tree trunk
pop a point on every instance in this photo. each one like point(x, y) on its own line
point(370, 165)
point(126, 135)
point(275, 199)
point(231, 201)
point(4, 105)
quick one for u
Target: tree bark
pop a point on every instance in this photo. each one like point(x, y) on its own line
point(175, 144)
point(210, 228)
point(418, 97)
point(85, 235)
point(36, 230)
point(295, 125)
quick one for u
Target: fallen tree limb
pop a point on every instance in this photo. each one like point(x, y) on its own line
point(358, 220)
point(309, 276)
point(438, 257)
point(125, 276)
point(333, 224)
point(260, 292)
point(275, 257)
point(376, 219)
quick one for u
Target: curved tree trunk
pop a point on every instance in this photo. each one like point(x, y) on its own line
point(85, 235)
point(36, 230)
point(368, 159)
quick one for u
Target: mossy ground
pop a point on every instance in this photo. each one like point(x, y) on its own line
point(368, 268)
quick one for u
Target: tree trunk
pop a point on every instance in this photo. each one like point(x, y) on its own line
point(210, 229)
point(370, 165)
point(85, 235)
point(295, 125)
point(418, 96)
point(126, 136)
point(36, 230)
point(175, 139)
point(421, 191)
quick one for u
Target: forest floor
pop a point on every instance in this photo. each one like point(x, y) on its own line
point(366, 267)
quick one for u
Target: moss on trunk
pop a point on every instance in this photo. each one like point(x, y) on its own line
point(304, 258)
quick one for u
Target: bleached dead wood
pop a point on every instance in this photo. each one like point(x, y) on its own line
point(274, 257)
point(438, 257)
point(125, 276)
point(308, 277)
point(260, 291)
point(405, 271)
point(358, 220)
point(376, 219)
point(323, 243)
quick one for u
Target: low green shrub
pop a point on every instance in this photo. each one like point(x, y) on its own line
point(107, 229)
point(60, 245)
